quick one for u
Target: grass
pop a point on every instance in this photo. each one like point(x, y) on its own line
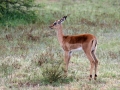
point(21, 47)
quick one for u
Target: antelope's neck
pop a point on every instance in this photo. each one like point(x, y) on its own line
point(60, 35)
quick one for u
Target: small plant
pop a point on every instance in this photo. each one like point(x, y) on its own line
point(52, 66)
point(53, 71)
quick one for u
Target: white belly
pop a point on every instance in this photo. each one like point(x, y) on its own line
point(77, 49)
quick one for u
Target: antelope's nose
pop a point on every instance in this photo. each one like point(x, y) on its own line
point(50, 27)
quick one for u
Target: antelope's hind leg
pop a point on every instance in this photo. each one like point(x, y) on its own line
point(92, 63)
point(96, 63)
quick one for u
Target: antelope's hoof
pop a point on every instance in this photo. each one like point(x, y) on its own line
point(95, 78)
point(90, 77)
point(65, 73)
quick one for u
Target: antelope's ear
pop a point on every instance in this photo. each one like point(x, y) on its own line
point(62, 20)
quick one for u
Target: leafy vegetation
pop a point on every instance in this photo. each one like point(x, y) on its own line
point(15, 12)
point(30, 52)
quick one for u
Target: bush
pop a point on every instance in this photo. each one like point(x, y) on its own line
point(22, 6)
point(15, 12)
point(53, 71)
point(51, 63)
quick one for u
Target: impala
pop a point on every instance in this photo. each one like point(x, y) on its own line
point(70, 43)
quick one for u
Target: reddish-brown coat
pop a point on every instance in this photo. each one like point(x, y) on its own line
point(78, 38)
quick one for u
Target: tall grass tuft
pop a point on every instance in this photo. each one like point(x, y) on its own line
point(51, 64)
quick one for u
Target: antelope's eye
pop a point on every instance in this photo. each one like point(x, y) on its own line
point(55, 23)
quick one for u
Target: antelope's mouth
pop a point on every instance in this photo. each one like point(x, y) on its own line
point(51, 27)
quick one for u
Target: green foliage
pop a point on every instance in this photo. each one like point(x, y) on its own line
point(15, 12)
point(15, 5)
point(17, 18)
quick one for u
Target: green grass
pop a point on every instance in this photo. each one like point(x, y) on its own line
point(21, 47)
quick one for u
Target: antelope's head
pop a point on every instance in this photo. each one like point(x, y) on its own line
point(57, 23)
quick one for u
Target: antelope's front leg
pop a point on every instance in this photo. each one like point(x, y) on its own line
point(66, 61)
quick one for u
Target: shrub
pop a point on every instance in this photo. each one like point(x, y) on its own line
point(15, 12)
point(51, 63)
point(23, 6)
point(53, 71)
